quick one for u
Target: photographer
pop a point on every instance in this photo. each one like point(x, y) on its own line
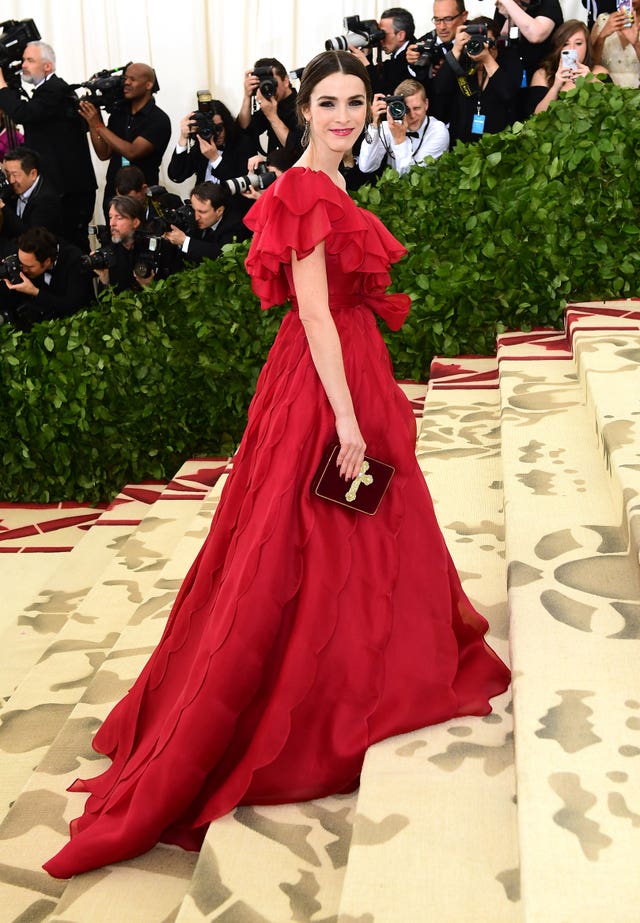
point(276, 101)
point(210, 148)
point(535, 21)
point(137, 132)
point(53, 128)
point(53, 281)
point(33, 202)
point(448, 15)
point(125, 219)
point(130, 181)
point(406, 137)
point(399, 32)
point(478, 84)
point(216, 224)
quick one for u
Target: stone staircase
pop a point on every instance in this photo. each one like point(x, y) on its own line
point(529, 815)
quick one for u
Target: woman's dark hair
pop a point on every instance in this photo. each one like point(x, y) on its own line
point(325, 64)
point(559, 39)
point(217, 107)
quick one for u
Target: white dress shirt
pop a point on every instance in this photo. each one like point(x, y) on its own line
point(432, 140)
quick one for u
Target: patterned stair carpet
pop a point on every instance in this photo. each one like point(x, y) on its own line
point(436, 832)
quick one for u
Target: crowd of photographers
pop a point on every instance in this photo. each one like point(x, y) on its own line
point(459, 80)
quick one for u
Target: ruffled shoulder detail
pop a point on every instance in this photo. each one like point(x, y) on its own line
point(301, 209)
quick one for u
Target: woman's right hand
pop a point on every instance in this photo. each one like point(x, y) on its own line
point(615, 22)
point(352, 447)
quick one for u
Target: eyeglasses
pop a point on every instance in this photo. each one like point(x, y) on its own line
point(436, 20)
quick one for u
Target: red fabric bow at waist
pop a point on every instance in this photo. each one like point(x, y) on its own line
point(392, 308)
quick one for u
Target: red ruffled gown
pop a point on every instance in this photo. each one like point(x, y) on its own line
point(304, 632)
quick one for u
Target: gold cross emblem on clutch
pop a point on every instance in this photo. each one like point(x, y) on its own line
point(362, 478)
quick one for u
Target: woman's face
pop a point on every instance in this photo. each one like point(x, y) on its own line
point(577, 42)
point(337, 110)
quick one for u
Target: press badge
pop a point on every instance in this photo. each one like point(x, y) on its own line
point(477, 125)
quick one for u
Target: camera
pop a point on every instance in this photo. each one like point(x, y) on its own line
point(268, 85)
point(261, 179)
point(202, 124)
point(431, 52)
point(396, 107)
point(479, 38)
point(148, 254)
point(201, 121)
point(16, 35)
point(5, 185)
point(360, 33)
point(104, 258)
point(10, 269)
point(164, 216)
point(106, 88)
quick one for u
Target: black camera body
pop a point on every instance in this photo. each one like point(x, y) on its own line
point(147, 248)
point(479, 38)
point(5, 186)
point(261, 179)
point(164, 215)
point(396, 107)
point(104, 258)
point(361, 33)
point(105, 89)
point(202, 125)
point(268, 85)
point(431, 51)
point(10, 269)
point(16, 35)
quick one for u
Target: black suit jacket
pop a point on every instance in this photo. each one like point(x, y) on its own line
point(386, 76)
point(41, 210)
point(69, 289)
point(208, 244)
point(53, 128)
point(192, 161)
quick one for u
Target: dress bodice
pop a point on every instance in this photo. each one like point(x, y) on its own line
point(304, 208)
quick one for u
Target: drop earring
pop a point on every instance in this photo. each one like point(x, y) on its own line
point(306, 135)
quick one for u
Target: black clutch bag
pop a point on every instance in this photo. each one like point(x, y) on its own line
point(364, 493)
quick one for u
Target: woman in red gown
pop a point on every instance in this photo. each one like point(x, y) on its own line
point(304, 632)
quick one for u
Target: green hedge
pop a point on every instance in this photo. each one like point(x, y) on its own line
point(501, 234)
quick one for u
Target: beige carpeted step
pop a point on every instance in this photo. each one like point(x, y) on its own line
point(45, 696)
point(37, 824)
point(574, 599)
point(435, 829)
point(38, 599)
point(609, 370)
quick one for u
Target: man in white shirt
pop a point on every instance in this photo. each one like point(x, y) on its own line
point(407, 141)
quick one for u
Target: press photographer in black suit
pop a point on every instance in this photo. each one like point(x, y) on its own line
point(216, 151)
point(399, 29)
point(276, 113)
point(53, 128)
point(216, 224)
point(53, 283)
point(32, 203)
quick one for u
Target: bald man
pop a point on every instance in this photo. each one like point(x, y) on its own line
point(137, 132)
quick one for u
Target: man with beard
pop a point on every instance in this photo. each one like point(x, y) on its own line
point(53, 128)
